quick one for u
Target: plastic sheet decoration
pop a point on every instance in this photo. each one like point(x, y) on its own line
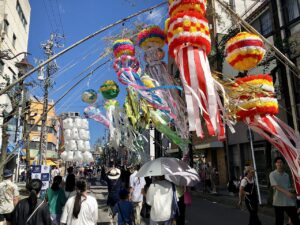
point(127, 67)
point(152, 40)
point(177, 6)
point(257, 106)
point(94, 113)
point(109, 89)
point(189, 43)
point(89, 96)
point(244, 51)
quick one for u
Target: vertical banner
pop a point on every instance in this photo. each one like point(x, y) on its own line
point(42, 172)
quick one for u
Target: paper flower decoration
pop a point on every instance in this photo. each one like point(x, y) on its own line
point(89, 96)
point(256, 106)
point(109, 89)
point(123, 47)
point(255, 96)
point(189, 43)
point(177, 6)
point(188, 29)
point(244, 51)
point(152, 36)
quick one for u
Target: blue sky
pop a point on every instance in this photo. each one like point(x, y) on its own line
point(77, 19)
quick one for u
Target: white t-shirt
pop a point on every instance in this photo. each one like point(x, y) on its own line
point(88, 214)
point(137, 184)
point(245, 181)
point(160, 197)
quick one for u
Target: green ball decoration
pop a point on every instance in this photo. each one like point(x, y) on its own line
point(109, 89)
point(89, 96)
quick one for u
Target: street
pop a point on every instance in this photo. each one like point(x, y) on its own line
point(201, 212)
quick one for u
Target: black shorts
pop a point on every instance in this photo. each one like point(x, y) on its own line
point(7, 217)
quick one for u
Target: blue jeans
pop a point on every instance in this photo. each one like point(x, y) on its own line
point(55, 219)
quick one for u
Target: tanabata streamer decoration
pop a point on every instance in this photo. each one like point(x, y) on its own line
point(161, 122)
point(89, 96)
point(109, 89)
point(244, 51)
point(176, 6)
point(257, 106)
point(95, 113)
point(189, 43)
point(152, 40)
point(113, 115)
point(126, 66)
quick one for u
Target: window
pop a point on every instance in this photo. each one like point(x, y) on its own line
point(34, 145)
point(264, 24)
point(50, 146)
point(21, 14)
point(291, 9)
point(14, 40)
point(5, 25)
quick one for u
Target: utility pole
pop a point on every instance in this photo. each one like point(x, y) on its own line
point(50, 70)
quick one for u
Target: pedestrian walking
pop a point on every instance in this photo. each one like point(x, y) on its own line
point(283, 199)
point(9, 197)
point(248, 192)
point(124, 209)
point(81, 209)
point(136, 193)
point(180, 191)
point(56, 199)
point(161, 196)
point(114, 185)
point(31, 210)
point(70, 183)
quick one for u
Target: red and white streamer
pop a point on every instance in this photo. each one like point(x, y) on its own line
point(200, 91)
point(283, 137)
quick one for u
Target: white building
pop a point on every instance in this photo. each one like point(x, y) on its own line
point(14, 33)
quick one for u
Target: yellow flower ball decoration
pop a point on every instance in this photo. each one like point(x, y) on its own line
point(244, 51)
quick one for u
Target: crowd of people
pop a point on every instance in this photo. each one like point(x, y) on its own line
point(68, 202)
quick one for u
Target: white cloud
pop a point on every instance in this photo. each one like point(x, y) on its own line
point(155, 17)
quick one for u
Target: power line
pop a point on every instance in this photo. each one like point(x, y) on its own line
point(78, 43)
point(60, 20)
point(48, 15)
point(11, 156)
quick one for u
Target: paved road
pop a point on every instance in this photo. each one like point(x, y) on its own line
point(203, 212)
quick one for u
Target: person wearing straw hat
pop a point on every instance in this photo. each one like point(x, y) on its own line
point(114, 185)
point(9, 197)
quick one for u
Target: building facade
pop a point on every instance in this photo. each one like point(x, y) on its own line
point(14, 33)
point(278, 21)
point(36, 110)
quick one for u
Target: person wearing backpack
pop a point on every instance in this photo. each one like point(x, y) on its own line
point(31, 210)
point(249, 194)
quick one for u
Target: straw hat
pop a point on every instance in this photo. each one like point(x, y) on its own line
point(114, 174)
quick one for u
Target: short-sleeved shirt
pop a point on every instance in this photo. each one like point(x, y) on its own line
point(88, 214)
point(282, 180)
point(126, 209)
point(8, 191)
point(137, 184)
